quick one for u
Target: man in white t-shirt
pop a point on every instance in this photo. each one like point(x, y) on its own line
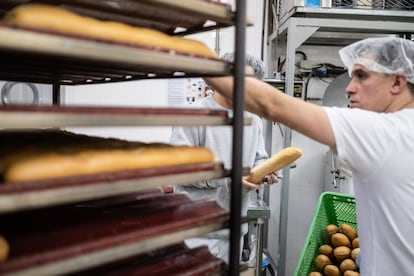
point(375, 137)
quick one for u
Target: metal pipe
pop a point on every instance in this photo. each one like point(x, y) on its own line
point(259, 247)
point(238, 125)
point(56, 94)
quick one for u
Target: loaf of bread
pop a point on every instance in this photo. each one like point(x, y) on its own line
point(4, 249)
point(55, 19)
point(42, 154)
point(278, 161)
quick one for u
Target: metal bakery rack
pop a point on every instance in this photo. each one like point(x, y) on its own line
point(111, 223)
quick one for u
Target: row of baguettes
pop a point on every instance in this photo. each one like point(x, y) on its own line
point(33, 154)
point(55, 19)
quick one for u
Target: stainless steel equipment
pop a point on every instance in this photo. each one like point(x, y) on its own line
point(25, 93)
point(286, 8)
point(298, 87)
point(335, 94)
point(338, 178)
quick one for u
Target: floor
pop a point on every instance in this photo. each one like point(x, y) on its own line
point(248, 272)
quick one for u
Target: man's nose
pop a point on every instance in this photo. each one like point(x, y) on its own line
point(350, 88)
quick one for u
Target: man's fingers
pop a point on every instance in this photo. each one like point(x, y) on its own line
point(248, 186)
point(271, 179)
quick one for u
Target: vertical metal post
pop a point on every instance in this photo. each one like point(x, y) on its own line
point(296, 35)
point(268, 124)
point(284, 205)
point(259, 249)
point(56, 94)
point(238, 125)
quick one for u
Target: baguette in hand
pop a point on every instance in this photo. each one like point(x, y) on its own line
point(278, 161)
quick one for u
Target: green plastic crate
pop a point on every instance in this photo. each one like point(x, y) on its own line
point(333, 208)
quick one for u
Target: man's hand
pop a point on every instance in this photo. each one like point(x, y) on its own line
point(269, 179)
point(248, 186)
point(272, 178)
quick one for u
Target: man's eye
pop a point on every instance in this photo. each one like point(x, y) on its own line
point(360, 75)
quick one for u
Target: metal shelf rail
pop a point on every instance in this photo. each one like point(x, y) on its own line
point(188, 16)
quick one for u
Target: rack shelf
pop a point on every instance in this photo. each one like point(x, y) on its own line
point(51, 192)
point(29, 116)
point(168, 16)
point(71, 233)
point(173, 260)
point(348, 13)
point(35, 56)
point(29, 55)
point(72, 238)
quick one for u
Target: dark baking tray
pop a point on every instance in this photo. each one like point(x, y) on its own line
point(168, 16)
point(175, 260)
point(51, 192)
point(71, 238)
point(48, 57)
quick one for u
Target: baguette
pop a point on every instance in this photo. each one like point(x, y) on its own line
point(55, 165)
point(41, 154)
point(281, 159)
point(51, 18)
point(4, 249)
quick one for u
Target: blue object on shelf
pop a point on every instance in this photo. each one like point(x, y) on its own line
point(312, 3)
point(265, 262)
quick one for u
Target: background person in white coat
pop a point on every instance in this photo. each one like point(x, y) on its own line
point(219, 140)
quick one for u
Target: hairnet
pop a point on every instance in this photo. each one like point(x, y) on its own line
point(256, 63)
point(389, 55)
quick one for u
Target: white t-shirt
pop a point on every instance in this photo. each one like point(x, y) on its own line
point(379, 149)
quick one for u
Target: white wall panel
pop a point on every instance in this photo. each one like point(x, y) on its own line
point(144, 93)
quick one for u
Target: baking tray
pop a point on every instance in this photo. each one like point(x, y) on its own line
point(175, 260)
point(77, 237)
point(50, 192)
point(44, 57)
point(34, 116)
point(168, 16)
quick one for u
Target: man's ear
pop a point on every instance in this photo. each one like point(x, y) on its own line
point(400, 82)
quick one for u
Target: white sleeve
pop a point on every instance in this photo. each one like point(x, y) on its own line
point(261, 153)
point(185, 136)
point(361, 136)
point(194, 136)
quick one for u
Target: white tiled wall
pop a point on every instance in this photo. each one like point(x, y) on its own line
point(134, 93)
